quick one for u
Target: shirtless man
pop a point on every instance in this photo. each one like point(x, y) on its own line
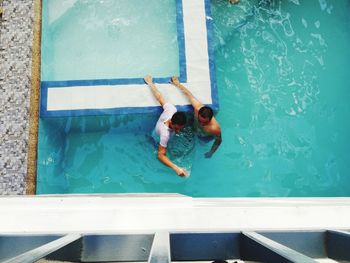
point(170, 121)
point(204, 115)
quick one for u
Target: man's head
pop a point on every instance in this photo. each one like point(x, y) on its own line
point(178, 121)
point(205, 114)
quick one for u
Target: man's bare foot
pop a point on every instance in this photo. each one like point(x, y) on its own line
point(234, 1)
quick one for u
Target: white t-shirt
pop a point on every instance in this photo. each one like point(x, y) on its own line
point(163, 131)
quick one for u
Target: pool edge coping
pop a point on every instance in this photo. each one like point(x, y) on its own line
point(119, 213)
point(34, 102)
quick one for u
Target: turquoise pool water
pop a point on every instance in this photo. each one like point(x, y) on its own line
point(88, 39)
point(282, 72)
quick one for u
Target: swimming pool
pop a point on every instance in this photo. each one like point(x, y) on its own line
point(282, 82)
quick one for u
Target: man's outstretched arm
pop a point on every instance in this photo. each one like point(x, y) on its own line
point(165, 160)
point(216, 132)
point(148, 79)
point(214, 147)
point(196, 104)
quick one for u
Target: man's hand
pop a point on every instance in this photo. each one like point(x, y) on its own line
point(175, 80)
point(148, 79)
point(208, 155)
point(181, 171)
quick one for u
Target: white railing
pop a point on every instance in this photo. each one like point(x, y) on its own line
point(166, 228)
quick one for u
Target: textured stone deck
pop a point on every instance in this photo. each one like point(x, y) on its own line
point(16, 36)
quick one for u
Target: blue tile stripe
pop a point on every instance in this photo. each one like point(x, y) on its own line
point(45, 85)
point(43, 100)
point(212, 69)
point(101, 82)
point(181, 41)
point(94, 112)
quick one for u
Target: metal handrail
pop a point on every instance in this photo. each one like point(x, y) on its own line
point(166, 247)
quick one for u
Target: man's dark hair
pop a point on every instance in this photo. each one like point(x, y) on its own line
point(206, 112)
point(179, 118)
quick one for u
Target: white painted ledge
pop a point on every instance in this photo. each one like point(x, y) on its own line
point(175, 213)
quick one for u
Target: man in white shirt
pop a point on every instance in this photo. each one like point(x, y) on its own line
point(170, 121)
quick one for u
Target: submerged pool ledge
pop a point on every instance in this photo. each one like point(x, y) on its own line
point(123, 96)
point(149, 213)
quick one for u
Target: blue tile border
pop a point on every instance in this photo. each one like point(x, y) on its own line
point(45, 85)
point(113, 111)
point(100, 82)
point(181, 41)
point(43, 112)
point(212, 68)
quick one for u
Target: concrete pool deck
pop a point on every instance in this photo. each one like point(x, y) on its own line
point(173, 228)
point(153, 212)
